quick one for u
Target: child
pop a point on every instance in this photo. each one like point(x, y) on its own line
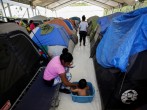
point(82, 88)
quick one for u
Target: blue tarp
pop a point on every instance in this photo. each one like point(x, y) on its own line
point(126, 36)
point(68, 24)
point(105, 21)
point(57, 37)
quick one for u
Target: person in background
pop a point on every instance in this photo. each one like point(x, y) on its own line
point(83, 30)
point(57, 71)
point(82, 88)
point(32, 25)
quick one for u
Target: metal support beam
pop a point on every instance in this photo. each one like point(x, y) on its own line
point(35, 11)
point(63, 5)
point(9, 9)
point(28, 13)
point(100, 4)
point(46, 4)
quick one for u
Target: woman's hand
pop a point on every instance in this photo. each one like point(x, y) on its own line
point(74, 85)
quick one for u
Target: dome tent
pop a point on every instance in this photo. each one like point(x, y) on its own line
point(54, 41)
point(16, 52)
point(71, 33)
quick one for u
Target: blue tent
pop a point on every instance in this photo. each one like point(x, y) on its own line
point(126, 36)
point(58, 36)
point(68, 24)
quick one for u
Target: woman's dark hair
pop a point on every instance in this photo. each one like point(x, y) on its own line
point(83, 18)
point(82, 84)
point(66, 56)
point(31, 21)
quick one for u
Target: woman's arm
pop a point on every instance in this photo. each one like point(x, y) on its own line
point(74, 90)
point(65, 80)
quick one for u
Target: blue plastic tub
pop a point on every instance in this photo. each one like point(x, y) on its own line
point(84, 99)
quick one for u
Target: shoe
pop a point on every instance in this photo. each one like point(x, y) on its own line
point(66, 91)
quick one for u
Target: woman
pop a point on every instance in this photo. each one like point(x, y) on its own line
point(83, 30)
point(56, 71)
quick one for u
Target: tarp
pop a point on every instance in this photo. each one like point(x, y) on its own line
point(58, 36)
point(126, 36)
point(105, 21)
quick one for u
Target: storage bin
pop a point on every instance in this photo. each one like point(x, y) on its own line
point(84, 99)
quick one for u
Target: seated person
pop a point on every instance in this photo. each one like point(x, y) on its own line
point(57, 71)
point(82, 88)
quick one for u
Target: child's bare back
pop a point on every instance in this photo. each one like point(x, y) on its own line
point(82, 88)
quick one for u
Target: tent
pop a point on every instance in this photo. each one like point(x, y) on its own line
point(92, 26)
point(76, 18)
point(60, 22)
point(20, 60)
point(124, 90)
point(115, 87)
point(94, 43)
point(53, 42)
point(57, 36)
point(68, 24)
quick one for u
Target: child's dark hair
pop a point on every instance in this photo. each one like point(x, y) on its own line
point(82, 84)
point(66, 56)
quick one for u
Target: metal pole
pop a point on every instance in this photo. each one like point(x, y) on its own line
point(3, 8)
point(56, 13)
point(9, 10)
point(35, 11)
point(28, 13)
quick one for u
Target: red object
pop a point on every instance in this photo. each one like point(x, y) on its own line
point(32, 26)
point(6, 106)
